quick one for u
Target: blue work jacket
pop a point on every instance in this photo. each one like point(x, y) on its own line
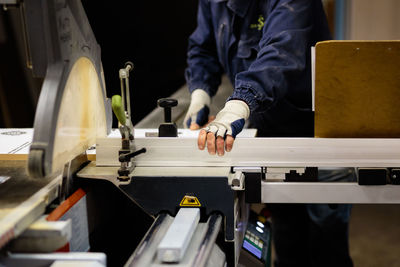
point(264, 46)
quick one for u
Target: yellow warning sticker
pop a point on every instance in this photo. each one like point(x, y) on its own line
point(190, 201)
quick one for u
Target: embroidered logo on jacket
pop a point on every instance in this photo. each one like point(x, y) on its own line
point(259, 25)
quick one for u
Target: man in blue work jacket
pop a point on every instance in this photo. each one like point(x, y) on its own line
point(264, 48)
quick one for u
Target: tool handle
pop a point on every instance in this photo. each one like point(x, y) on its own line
point(116, 103)
point(167, 104)
point(127, 156)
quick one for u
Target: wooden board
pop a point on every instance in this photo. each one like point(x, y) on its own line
point(22, 199)
point(15, 143)
point(357, 89)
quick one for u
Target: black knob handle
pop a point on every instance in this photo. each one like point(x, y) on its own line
point(167, 104)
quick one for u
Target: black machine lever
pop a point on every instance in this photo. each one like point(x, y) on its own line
point(127, 156)
point(168, 128)
point(124, 158)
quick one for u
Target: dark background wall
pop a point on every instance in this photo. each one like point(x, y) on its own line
point(19, 91)
point(151, 34)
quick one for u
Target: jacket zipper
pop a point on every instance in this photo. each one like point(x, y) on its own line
point(221, 42)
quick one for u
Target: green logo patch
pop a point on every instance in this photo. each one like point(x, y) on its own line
point(260, 23)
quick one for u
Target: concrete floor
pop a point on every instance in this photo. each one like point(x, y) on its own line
point(375, 235)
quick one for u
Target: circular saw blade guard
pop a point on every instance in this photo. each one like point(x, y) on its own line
point(73, 109)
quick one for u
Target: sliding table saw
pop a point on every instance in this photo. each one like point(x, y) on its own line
point(166, 177)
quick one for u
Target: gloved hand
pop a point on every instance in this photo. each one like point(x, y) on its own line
point(199, 109)
point(222, 131)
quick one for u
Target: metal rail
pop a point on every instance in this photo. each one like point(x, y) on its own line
point(199, 252)
point(329, 192)
point(264, 152)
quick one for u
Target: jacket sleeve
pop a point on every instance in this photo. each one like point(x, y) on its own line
point(204, 70)
point(281, 60)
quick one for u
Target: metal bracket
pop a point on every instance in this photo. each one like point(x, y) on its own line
point(252, 182)
point(236, 180)
point(279, 174)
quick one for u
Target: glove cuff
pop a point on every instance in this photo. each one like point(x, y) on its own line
point(200, 96)
point(238, 107)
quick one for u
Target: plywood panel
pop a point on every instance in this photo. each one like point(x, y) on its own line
point(357, 89)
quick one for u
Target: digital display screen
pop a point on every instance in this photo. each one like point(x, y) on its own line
point(252, 249)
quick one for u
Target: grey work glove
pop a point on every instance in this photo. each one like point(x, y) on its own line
point(199, 109)
point(222, 131)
